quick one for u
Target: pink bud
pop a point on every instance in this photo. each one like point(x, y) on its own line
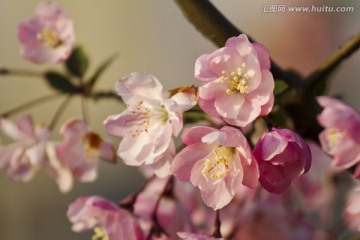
point(282, 156)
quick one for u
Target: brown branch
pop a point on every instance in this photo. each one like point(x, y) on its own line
point(208, 20)
point(59, 112)
point(345, 51)
point(20, 72)
point(217, 225)
point(30, 104)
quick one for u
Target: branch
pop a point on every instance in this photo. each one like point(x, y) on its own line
point(59, 112)
point(217, 225)
point(217, 28)
point(345, 51)
point(29, 104)
point(20, 72)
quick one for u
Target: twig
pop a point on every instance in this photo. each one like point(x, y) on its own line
point(32, 103)
point(208, 20)
point(345, 51)
point(217, 225)
point(157, 228)
point(20, 72)
point(129, 204)
point(85, 110)
point(59, 112)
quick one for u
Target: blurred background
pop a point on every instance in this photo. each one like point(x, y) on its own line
point(154, 37)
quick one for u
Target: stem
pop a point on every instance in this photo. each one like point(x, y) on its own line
point(29, 104)
point(208, 20)
point(85, 110)
point(130, 203)
point(59, 112)
point(20, 72)
point(345, 51)
point(217, 225)
point(269, 124)
point(157, 228)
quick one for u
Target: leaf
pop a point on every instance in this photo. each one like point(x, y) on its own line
point(78, 62)
point(280, 86)
point(59, 82)
point(101, 68)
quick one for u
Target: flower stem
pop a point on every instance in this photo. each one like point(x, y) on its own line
point(30, 104)
point(269, 124)
point(20, 72)
point(217, 225)
point(129, 204)
point(59, 112)
point(157, 229)
point(85, 110)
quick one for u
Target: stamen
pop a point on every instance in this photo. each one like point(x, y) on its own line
point(99, 234)
point(237, 81)
point(334, 135)
point(143, 118)
point(217, 166)
point(49, 38)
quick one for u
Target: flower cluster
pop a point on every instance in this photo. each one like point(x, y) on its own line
point(229, 177)
point(74, 157)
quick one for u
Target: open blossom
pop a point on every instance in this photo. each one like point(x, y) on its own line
point(149, 122)
point(282, 156)
point(340, 137)
point(216, 161)
point(108, 220)
point(23, 158)
point(48, 37)
point(238, 84)
point(81, 149)
point(32, 151)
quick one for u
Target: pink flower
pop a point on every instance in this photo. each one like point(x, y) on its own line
point(216, 161)
point(31, 152)
point(108, 220)
point(23, 158)
point(48, 37)
point(149, 122)
point(282, 156)
point(195, 236)
point(340, 137)
point(81, 149)
point(238, 84)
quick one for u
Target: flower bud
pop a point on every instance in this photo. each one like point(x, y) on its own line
point(282, 156)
